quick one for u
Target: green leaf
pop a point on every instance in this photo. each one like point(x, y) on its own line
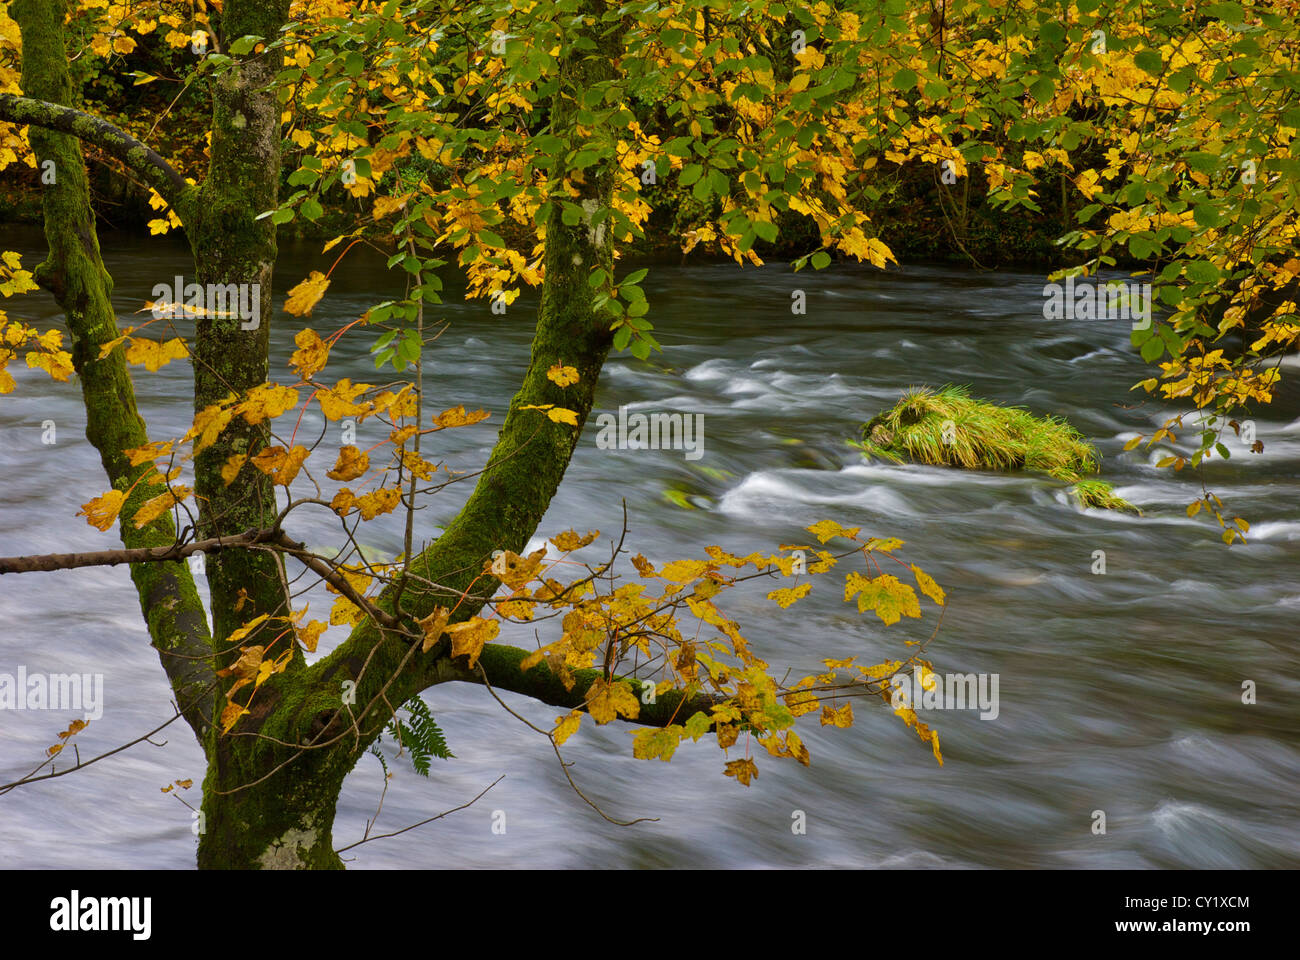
point(1150, 62)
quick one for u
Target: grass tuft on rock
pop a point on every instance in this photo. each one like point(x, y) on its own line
point(1099, 493)
point(950, 428)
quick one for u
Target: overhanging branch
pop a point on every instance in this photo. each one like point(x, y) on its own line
point(502, 663)
point(152, 168)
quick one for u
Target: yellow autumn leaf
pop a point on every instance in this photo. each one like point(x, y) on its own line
point(657, 743)
point(208, 424)
point(885, 594)
point(102, 511)
point(825, 529)
point(154, 354)
point(743, 770)
point(339, 401)
point(786, 597)
point(683, 571)
point(928, 585)
point(307, 294)
point(569, 541)
point(566, 726)
point(344, 502)
point(457, 417)
point(562, 375)
point(309, 636)
point(344, 611)
point(150, 451)
point(843, 717)
point(155, 507)
point(515, 571)
point(312, 353)
point(57, 364)
point(433, 626)
point(230, 469)
point(379, 502)
point(468, 638)
point(230, 715)
point(605, 701)
point(351, 464)
point(266, 402)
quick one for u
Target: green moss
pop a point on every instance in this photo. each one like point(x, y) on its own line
point(948, 427)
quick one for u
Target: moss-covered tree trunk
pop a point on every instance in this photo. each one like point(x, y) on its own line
point(235, 251)
point(74, 273)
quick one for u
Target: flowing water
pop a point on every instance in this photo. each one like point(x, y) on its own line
point(1119, 692)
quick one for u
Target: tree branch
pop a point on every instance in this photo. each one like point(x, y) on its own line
point(46, 562)
point(502, 665)
point(152, 168)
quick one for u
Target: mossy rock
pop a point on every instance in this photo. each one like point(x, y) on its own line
point(950, 428)
point(1100, 494)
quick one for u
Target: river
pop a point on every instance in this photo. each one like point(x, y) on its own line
point(1119, 692)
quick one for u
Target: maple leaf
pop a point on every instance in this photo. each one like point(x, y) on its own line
point(338, 402)
point(468, 638)
point(554, 413)
point(230, 716)
point(605, 701)
point(155, 507)
point(208, 424)
point(150, 451)
point(307, 294)
point(683, 571)
point(457, 417)
point(562, 375)
point(825, 529)
point(433, 626)
point(928, 585)
point(312, 353)
point(569, 541)
point(890, 598)
point(566, 726)
point(843, 717)
point(230, 469)
point(154, 354)
point(743, 770)
point(515, 571)
point(381, 501)
point(58, 364)
point(344, 611)
point(281, 465)
point(103, 510)
point(660, 743)
point(351, 464)
point(344, 502)
point(786, 597)
point(266, 402)
point(309, 636)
